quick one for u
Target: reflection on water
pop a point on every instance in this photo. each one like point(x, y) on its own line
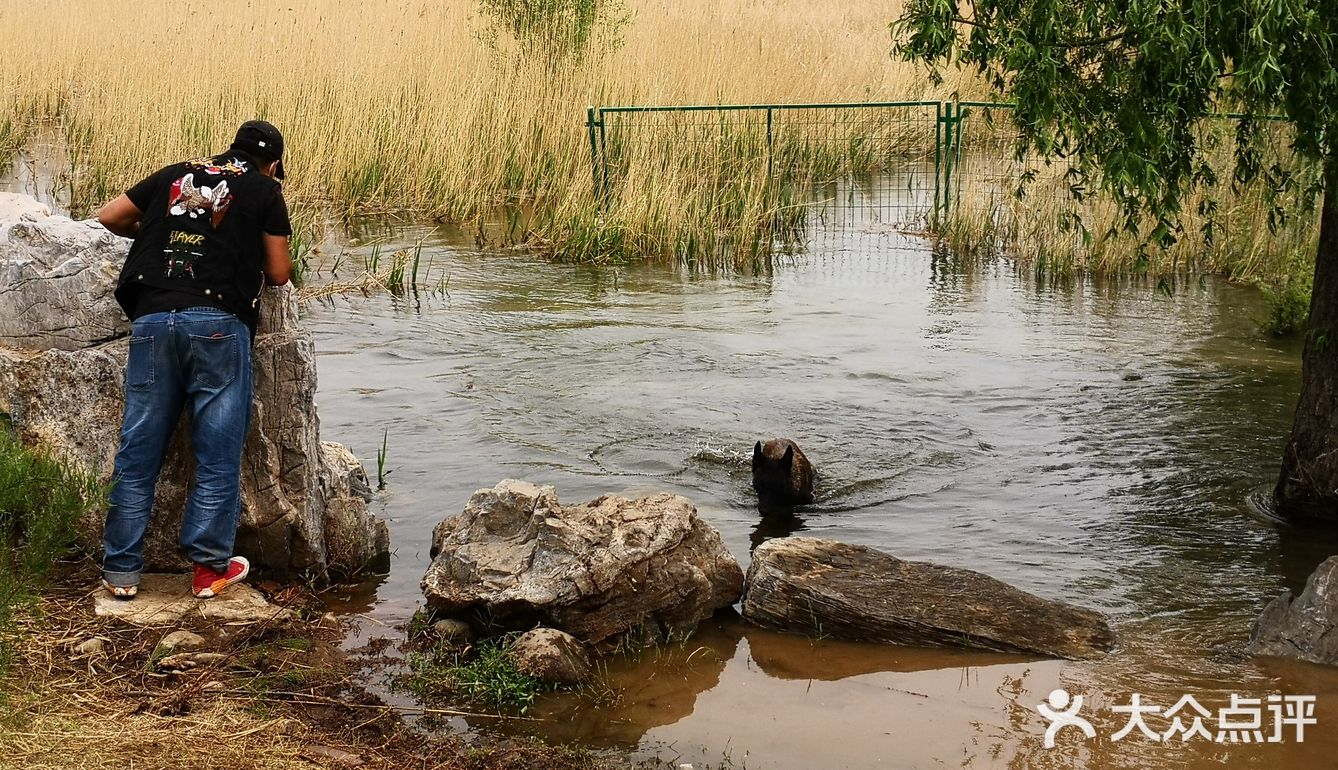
point(1091, 441)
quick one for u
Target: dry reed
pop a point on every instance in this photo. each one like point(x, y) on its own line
point(404, 103)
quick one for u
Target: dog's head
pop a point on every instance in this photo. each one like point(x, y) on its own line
point(772, 477)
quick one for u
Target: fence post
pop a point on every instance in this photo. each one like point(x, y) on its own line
point(957, 148)
point(594, 150)
point(769, 143)
point(938, 160)
point(950, 123)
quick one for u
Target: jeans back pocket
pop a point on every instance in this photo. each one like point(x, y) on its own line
point(215, 360)
point(139, 363)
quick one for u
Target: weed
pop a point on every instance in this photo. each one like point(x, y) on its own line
point(381, 453)
point(41, 499)
point(486, 674)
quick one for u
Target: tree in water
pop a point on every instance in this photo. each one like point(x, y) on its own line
point(1117, 88)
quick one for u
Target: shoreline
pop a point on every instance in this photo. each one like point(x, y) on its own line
point(84, 691)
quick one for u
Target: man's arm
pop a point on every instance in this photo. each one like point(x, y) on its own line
point(121, 216)
point(278, 265)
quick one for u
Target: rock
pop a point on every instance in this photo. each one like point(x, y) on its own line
point(185, 661)
point(17, 207)
point(551, 656)
point(324, 755)
point(166, 600)
point(56, 278)
point(94, 646)
point(595, 571)
point(62, 370)
point(1302, 629)
point(826, 588)
point(354, 540)
point(453, 631)
point(181, 639)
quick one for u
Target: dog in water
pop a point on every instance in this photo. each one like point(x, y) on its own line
point(782, 475)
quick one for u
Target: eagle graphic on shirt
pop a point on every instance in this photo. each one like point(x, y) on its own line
point(194, 201)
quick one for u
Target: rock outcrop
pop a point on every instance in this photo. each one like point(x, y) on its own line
point(56, 279)
point(825, 588)
point(63, 344)
point(1303, 628)
point(596, 571)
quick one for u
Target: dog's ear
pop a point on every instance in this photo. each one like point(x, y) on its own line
point(787, 461)
point(757, 453)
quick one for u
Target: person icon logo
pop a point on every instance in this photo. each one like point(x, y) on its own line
point(1062, 711)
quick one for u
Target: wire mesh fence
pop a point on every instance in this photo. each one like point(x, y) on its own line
point(805, 172)
point(867, 165)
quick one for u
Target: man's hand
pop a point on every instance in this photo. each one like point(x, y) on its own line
point(278, 265)
point(120, 216)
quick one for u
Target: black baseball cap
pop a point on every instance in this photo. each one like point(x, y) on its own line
point(262, 139)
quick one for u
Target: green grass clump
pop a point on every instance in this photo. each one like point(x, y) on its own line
point(485, 674)
point(41, 500)
point(1289, 299)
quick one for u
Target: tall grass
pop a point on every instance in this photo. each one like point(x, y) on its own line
point(457, 109)
point(1238, 230)
point(445, 107)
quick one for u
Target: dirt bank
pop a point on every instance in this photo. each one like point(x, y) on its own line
point(89, 692)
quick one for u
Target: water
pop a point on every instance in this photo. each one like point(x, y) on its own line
point(1095, 441)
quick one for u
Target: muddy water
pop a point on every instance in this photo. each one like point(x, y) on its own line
point(1091, 441)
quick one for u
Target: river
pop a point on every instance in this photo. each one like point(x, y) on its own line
point(1094, 441)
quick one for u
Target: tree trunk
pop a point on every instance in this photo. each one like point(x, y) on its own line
point(1308, 485)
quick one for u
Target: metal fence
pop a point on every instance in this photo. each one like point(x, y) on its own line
point(872, 164)
point(868, 166)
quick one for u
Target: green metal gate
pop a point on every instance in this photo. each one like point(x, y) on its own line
point(889, 162)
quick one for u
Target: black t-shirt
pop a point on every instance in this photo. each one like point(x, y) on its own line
point(199, 242)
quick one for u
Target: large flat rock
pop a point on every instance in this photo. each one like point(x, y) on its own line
point(825, 588)
point(166, 600)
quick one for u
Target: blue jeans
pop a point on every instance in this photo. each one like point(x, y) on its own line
point(199, 356)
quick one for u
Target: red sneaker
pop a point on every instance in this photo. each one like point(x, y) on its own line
point(209, 583)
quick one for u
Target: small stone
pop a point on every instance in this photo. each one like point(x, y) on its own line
point(328, 620)
point(184, 640)
point(94, 646)
point(453, 631)
point(552, 656)
point(322, 755)
point(184, 661)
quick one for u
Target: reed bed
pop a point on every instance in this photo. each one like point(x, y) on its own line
point(409, 104)
point(450, 109)
point(1233, 229)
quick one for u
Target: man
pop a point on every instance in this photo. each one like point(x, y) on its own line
point(208, 234)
